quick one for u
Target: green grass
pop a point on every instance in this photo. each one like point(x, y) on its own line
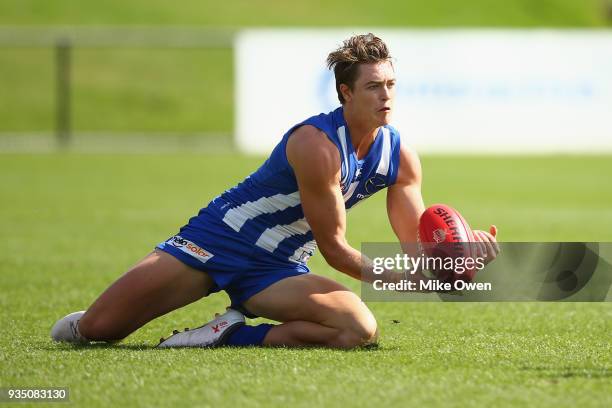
point(120, 90)
point(191, 91)
point(27, 83)
point(168, 90)
point(437, 13)
point(70, 224)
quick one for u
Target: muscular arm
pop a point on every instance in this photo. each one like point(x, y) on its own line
point(404, 201)
point(316, 163)
point(405, 206)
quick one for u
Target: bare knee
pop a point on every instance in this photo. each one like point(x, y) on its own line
point(361, 332)
point(101, 327)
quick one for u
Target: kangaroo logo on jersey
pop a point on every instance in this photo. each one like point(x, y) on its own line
point(375, 183)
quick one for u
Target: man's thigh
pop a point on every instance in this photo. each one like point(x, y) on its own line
point(155, 286)
point(311, 298)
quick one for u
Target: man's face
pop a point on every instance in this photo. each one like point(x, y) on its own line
point(373, 93)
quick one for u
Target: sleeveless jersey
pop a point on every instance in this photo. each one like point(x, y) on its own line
point(265, 208)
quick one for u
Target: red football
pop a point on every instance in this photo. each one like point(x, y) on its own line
point(443, 234)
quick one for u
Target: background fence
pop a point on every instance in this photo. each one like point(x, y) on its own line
point(99, 87)
point(136, 75)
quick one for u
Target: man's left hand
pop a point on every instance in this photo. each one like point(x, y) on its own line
point(486, 244)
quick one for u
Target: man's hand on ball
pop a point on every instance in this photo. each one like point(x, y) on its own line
point(486, 244)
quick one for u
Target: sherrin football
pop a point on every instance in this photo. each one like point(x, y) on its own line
point(444, 234)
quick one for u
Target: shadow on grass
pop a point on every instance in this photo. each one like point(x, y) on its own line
point(150, 347)
point(570, 372)
point(97, 346)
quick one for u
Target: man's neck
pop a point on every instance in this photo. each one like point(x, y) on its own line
point(362, 134)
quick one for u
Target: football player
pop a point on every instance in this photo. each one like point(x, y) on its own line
point(253, 241)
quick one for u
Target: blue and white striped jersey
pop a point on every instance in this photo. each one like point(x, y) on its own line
point(265, 208)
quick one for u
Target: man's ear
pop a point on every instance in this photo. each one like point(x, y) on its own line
point(346, 92)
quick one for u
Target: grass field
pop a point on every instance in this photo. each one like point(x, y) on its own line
point(436, 13)
point(124, 90)
point(120, 90)
point(70, 224)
